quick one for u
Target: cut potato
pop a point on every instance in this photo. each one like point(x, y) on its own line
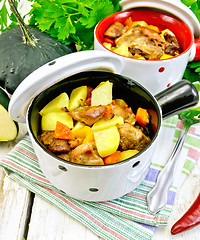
point(8, 129)
point(123, 50)
point(57, 104)
point(128, 153)
point(49, 120)
point(78, 125)
point(107, 141)
point(102, 94)
point(140, 23)
point(103, 124)
point(77, 97)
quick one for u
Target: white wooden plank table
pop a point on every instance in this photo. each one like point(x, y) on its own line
point(23, 215)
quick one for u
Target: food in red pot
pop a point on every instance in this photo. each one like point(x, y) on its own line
point(137, 39)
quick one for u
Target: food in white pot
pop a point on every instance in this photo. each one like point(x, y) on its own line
point(92, 128)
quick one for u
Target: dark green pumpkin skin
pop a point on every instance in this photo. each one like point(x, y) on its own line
point(18, 60)
point(4, 99)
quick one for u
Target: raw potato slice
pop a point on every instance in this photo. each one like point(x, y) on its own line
point(56, 104)
point(128, 153)
point(102, 94)
point(107, 141)
point(8, 129)
point(103, 124)
point(77, 97)
point(49, 120)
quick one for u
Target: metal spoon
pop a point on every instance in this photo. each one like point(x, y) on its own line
point(157, 197)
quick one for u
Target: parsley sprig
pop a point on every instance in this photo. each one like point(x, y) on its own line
point(194, 112)
point(71, 20)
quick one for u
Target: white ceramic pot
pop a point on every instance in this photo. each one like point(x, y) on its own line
point(92, 183)
point(157, 75)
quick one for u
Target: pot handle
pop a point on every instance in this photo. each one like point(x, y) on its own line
point(177, 98)
point(56, 70)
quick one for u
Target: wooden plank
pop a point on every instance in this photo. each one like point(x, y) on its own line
point(14, 205)
point(14, 199)
point(49, 222)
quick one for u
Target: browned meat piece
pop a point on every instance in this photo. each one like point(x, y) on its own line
point(132, 138)
point(87, 114)
point(53, 144)
point(76, 142)
point(115, 30)
point(171, 44)
point(143, 41)
point(131, 119)
point(85, 154)
point(118, 111)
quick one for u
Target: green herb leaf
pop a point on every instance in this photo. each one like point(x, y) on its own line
point(71, 20)
point(194, 112)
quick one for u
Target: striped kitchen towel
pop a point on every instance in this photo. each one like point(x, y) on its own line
point(123, 218)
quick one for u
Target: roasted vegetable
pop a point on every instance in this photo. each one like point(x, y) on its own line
point(8, 129)
point(189, 220)
point(57, 104)
point(142, 116)
point(102, 94)
point(62, 131)
point(77, 97)
point(23, 50)
point(50, 119)
point(107, 141)
point(113, 158)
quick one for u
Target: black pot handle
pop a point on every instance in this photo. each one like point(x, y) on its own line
point(177, 98)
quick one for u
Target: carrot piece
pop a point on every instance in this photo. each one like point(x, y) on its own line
point(113, 158)
point(153, 119)
point(142, 116)
point(128, 22)
point(62, 131)
point(109, 40)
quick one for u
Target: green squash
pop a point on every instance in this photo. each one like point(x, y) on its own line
point(8, 128)
point(19, 59)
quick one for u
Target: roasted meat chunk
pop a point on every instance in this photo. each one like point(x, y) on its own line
point(88, 114)
point(171, 44)
point(85, 154)
point(53, 144)
point(115, 30)
point(144, 41)
point(132, 137)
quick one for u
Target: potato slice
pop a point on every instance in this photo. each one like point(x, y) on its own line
point(49, 120)
point(107, 141)
point(140, 23)
point(103, 124)
point(123, 50)
point(78, 125)
point(102, 94)
point(77, 97)
point(56, 104)
point(128, 153)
